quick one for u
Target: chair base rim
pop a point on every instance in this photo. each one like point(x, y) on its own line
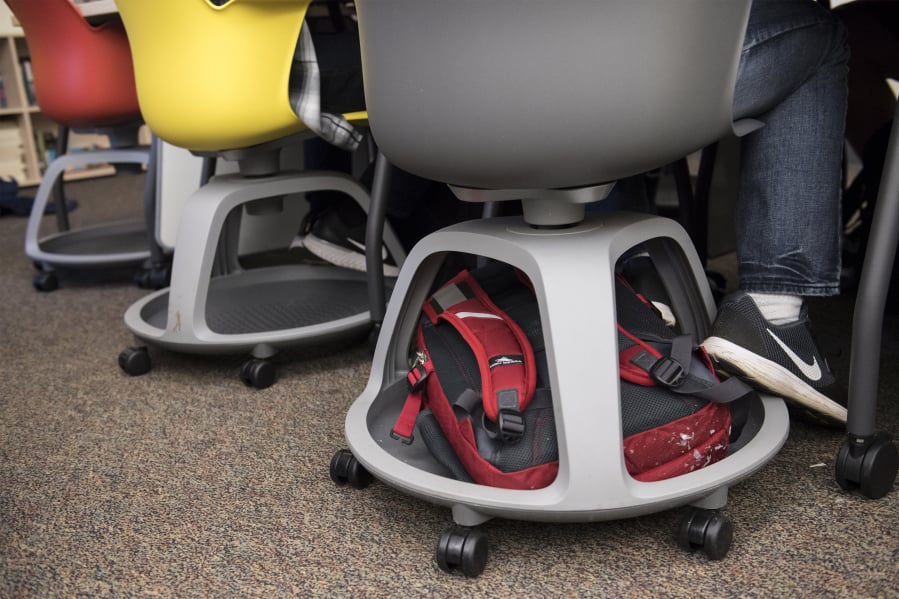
point(273, 307)
point(109, 245)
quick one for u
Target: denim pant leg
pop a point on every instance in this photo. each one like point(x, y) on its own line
point(792, 76)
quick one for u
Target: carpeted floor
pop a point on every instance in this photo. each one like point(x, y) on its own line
point(185, 483)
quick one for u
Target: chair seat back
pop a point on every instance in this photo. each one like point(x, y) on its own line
point(214, 77)
point(83, 75)
point(547, 94)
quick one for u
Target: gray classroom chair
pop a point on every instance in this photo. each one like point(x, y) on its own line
point(549, 103)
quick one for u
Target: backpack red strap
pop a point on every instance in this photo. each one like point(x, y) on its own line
point(417, 379)
point(504, 354)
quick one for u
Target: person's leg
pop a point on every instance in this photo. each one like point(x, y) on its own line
point(792, 77)
point(334, 226)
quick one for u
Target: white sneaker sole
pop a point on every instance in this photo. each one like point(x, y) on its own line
point(342, 257)
point(772, 377)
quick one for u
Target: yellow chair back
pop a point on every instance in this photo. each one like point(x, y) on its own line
point(214, 77)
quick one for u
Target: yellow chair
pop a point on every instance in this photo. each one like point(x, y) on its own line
point(214, 79)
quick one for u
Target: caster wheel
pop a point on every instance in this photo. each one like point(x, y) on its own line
point(153, 278)
point(346, 469)
point(160, 277)
point(135, 361)
point(142, 278)
point(464, 549)
point(707, 530)
point(869, 469)
point(46, 281)
point(258, 373)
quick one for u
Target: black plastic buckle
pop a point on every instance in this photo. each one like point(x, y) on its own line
point(510, 425)
point(668, 372)
point(405, 440)
point(422, 373)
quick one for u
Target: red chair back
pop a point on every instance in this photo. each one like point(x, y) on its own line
point(83, 74)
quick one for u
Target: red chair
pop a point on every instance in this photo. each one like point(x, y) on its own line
point(84, 81)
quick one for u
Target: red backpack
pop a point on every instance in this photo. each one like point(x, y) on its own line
point(479, 396)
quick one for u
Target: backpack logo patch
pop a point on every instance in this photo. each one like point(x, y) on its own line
point(505, 360)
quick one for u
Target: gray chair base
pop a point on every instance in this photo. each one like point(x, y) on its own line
point(575, 296)
point(108, 246)
point(255, 311)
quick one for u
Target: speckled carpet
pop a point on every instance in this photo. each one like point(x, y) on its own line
point(185, 483)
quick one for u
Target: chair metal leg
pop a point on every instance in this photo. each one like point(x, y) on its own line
point(374, 235)
point(868, 461)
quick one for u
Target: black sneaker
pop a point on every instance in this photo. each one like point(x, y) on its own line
point(339, 238)
point(783, 360)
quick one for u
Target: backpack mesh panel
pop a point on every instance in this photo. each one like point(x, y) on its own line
point(453, 359)
point(644, 408)
point(538, 446)
point(637, 317)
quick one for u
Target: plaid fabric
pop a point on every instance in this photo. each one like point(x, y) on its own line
point(306, 99)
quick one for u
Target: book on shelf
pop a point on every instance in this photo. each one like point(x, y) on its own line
point(12, 169)
point(9, 128)
point(40, 147)
point(12, 150)
point(45, 146)
point(28, 78)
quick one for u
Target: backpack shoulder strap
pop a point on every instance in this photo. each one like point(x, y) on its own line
point(679, 365)
point(504, 354)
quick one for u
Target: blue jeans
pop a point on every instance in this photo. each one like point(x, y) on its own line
point(792, 77)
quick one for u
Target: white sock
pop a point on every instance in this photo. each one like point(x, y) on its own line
point(778, 309)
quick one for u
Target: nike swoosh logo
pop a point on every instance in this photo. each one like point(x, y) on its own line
point(811, 370)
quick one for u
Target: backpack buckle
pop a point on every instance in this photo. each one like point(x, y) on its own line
point(668, 372)
point(417, 378)
point(402, 438)
point(510, 425)
point(418, 372)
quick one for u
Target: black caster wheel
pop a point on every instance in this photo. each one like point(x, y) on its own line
point(707, 530)
point(135, 361)
point(142, 278)
point(153, 277)
point(346, 469)
point(258, 373)
point(160, 277)
point(464, 549)
point(45, 281)
point(868, 469)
